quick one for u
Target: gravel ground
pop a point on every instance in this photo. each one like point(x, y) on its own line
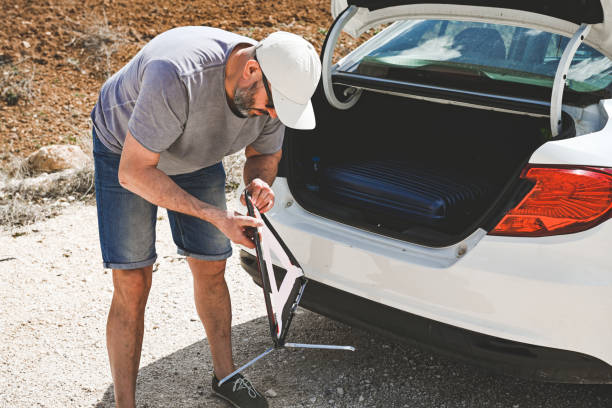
point(53, 304)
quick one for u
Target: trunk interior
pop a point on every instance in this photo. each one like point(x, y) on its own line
point(424, 172)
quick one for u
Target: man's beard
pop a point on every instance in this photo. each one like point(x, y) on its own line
point(244, 99)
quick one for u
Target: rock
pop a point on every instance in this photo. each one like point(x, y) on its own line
point(361, 398)
point(313, 400)
point(340, 391)
point(271, 393)
point(57, 157)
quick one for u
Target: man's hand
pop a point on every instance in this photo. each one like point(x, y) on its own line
point(234, 224)
point(259, 173)
point(262, 195)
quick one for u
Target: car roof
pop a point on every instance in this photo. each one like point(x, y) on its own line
point(561, 17)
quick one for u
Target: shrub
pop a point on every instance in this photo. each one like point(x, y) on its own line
point(15, 84)
point(98, 42)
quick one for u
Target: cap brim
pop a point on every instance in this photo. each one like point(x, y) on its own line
point(291, 114)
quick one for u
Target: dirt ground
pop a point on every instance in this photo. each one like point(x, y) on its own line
point(55, 54)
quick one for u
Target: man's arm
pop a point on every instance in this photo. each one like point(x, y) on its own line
point(139, 174)
point(259, 174)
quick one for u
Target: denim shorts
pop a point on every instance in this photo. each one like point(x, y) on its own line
point(126, 221)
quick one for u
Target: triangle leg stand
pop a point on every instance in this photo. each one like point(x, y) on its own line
point(292, 345)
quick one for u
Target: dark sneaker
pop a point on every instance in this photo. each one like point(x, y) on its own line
point(239, 392)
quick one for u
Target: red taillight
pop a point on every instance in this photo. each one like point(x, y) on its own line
point(563, 200)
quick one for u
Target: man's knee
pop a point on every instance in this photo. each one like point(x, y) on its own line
point(131, 287)
point(206, 268)
point(207, 272)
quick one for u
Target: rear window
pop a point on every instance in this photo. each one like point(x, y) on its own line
point(496, 52)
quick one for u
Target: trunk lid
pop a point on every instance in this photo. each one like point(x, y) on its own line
point(559, 17)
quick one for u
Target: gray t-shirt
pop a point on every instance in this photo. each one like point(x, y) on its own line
point(171, 97)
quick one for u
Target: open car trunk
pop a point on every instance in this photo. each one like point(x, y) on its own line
point(424, 172)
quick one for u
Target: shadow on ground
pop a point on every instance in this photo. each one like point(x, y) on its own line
point(381, 373)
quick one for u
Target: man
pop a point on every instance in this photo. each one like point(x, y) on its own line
point(162, 125)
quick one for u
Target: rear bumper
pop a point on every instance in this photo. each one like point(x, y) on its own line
point(497, 354)
point(552, 292)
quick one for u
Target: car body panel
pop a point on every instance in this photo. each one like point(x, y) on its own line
point(599, 38)
point(552, 292)
point(592, 149)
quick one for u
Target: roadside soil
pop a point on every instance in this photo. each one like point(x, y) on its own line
point(54, 301)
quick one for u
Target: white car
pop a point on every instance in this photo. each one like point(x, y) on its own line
point(457, 187)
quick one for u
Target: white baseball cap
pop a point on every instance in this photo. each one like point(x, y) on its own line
point(292, 67)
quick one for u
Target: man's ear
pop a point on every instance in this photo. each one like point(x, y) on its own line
point(250, 69)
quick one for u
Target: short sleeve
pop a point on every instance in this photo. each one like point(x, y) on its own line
point(160, 113)
point(271, 138)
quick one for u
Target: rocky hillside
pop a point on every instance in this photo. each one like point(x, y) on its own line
point(55, 55)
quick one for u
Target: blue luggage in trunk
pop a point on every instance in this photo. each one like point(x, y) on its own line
point(403, 191)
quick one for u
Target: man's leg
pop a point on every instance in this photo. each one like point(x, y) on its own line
point(213, 304)
point(126, 223)
point(124, 330)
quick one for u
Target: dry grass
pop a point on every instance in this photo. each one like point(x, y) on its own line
point(15, 83)
point(97, 42)
point(17, 168)
point(28, 200)
point(17, 213)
